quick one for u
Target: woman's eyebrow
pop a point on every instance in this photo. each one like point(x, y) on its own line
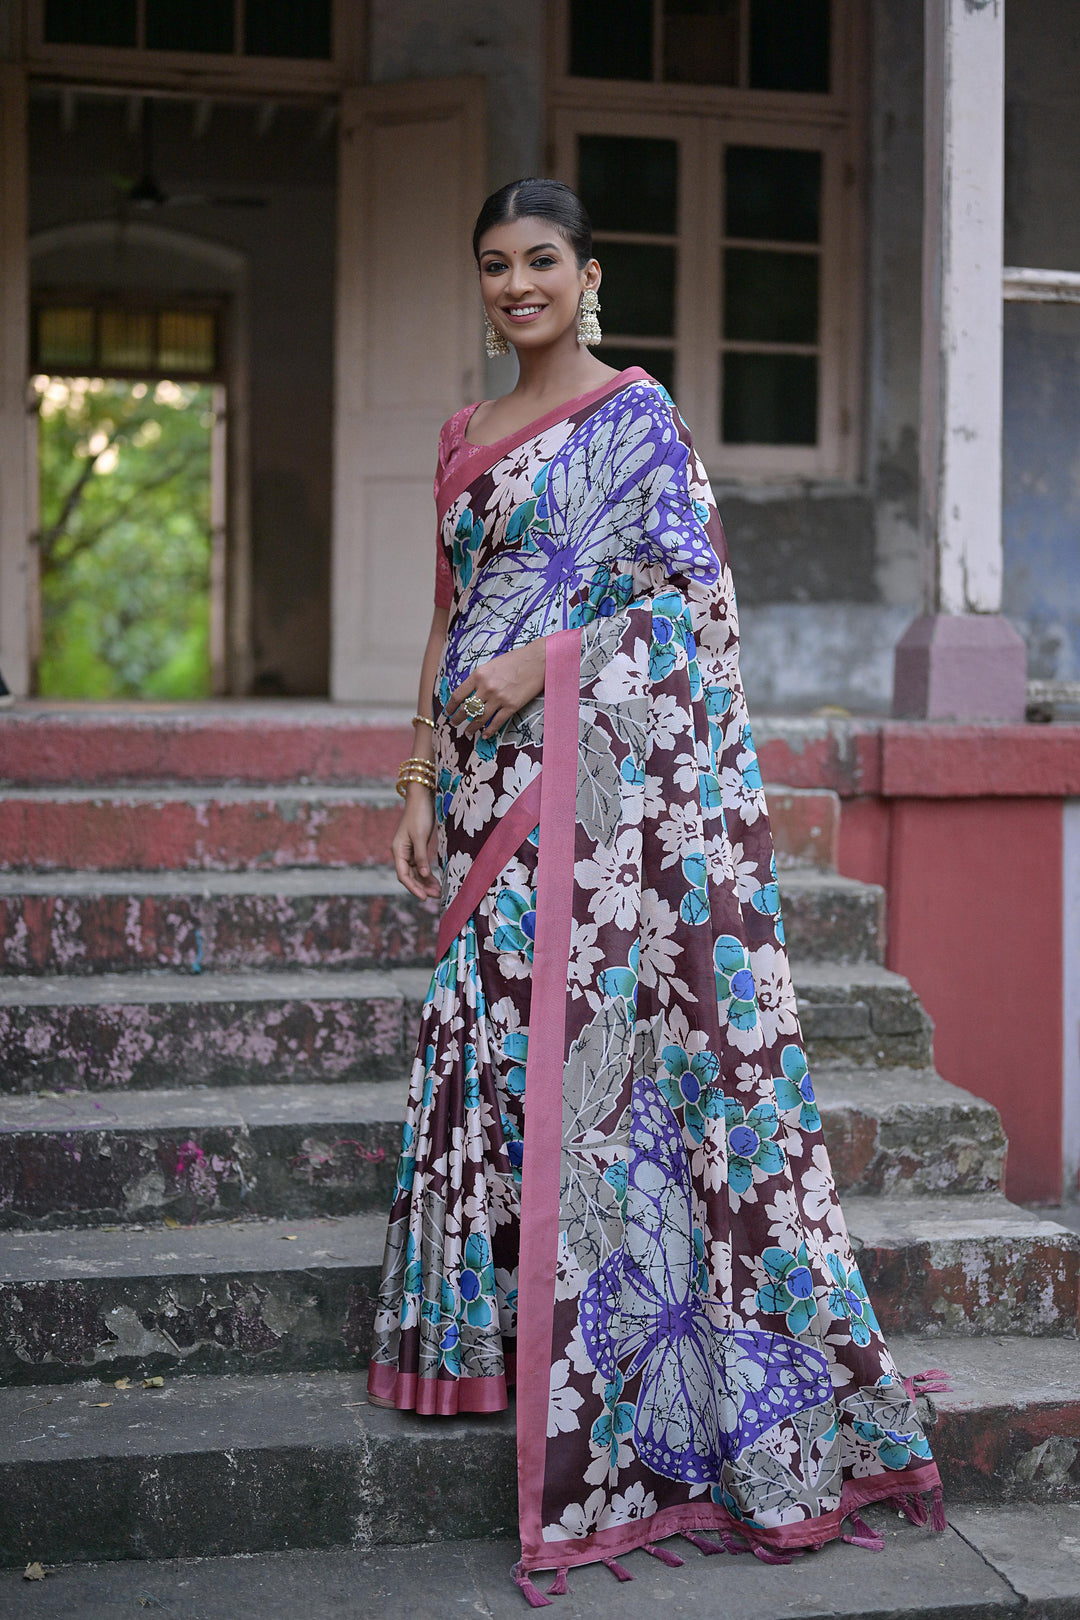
point(529, 251)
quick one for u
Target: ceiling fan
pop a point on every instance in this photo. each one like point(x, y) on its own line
point(147, 194)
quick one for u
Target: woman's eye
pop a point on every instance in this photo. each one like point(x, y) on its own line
point(495, 267)
point(544, 262)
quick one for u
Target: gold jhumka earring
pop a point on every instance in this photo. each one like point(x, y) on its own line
point(588, 326)
point(494, 342)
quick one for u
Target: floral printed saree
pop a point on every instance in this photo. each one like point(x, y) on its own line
point(613, 1190)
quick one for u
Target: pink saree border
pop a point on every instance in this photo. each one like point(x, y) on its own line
point(508, 836)
point(544, 1076)
point(440, 1397)
point(485, 456)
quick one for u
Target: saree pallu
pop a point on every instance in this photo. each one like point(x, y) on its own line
point(613, 1189)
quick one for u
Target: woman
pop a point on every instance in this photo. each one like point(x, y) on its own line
point(613, 1189)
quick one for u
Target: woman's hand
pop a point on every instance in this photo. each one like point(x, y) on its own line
point(505, 685)
point(410, 843)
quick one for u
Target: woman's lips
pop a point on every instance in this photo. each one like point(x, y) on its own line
point(524, 312)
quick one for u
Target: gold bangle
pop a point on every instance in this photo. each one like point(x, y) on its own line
point(422, 720)
point(417, 763)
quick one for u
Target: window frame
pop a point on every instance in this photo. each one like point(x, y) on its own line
point(216, 306)
point(703, 119)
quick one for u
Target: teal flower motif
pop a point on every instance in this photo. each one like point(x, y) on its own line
point(694, 907)
point(429, 1077)
point(620, 984)
point(701, 1272)
point(750, 1144)
point(467, 537)
point(520, 521)
point(669, 632)
point(441, 1314)
point(472, 1077)
point(617, 1177)
point(709, 790)
point(476, 1283)
point(689, 1083)
point(895, 1447)
point(515, 1146)
point(751, 772)
point(794, 1090)
point(849, 1299)
point(518, 932)
point(412, 1282)
point(632, 772)
point(735, 981)
point(615, 1422)
point(516, 1048)
point(406, 1167)
point(487, 747)
point(607, 596)
point(718, 700)
point(790, 1289)
point(445, 788)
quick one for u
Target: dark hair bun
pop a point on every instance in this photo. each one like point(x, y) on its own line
point(539, 199)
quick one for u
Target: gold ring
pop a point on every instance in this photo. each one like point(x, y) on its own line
point(473, 705)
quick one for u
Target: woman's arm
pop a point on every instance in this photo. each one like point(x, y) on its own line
point(413, 836)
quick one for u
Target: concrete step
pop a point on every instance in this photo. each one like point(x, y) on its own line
point(975, 1571)
point(227, 1297)
point(143, 1030)
point(83, 1158)
point(87, 923)
point(966, 1266)
point(209, 1465)
point(353, 917)
point(196, 829)
point(908, 1132)
point(198, 1153)
point(861, 1014)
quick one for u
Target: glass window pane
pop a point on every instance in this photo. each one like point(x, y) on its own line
point(126, 339)
point(772, 193)
point(637, 297)
point(611, 39)
point(299, 28)
point(701, 41)
point(659, 363)
point(90, 22)
point(186, 340)
point(190, 25)
point(789, 45)
point(770, 297)
point(65, 337)
point(769, 399)
point(628, 183)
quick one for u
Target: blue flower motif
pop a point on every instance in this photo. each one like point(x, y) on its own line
point(616, 1421)
point(476, 1284)
point(790, 1289)
point(701, 1273)
point(849, 1300)
point(518, 931)
point(445, 788)
point(442, 1316)
point(750, 1142)
point(515, 1146)
point(620, 984)
point(794, 1090)
point(467, 537)
point(694, 906)
point(607, 595)
point(472, 1077)
point(735, 981)
point(406, 1166)
point(690, 1083)
point(516, 1048)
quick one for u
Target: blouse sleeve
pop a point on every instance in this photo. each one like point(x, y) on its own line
point(444, 578)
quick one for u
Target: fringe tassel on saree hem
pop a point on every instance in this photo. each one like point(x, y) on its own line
point(861, 1535)
point(535, 1599)
point(616, 1569)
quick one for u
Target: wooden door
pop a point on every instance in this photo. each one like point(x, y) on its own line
point(408, 354)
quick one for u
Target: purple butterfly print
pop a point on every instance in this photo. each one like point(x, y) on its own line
point(706, 1393)
point(616, 493)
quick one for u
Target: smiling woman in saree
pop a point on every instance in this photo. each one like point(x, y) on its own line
point(613, 1190)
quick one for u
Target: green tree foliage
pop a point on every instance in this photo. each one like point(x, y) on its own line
point(124, 538)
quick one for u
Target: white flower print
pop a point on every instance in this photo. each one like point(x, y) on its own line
point(669, 722)
point(777, 1014)
point(819, 1188)
point(709, 1159)
point(747, 881)
point(580, 1359)
point(584, 955)
point(750, 1077)
point(578, 1518)
point(658, 950)
point(785, 1224)
point(633, 1503)
point(570, 1279)
point(681, 833)
point(563, 1402)
point(655, 802)
point(719, 858)
point(475, 797)
point(625, 676)
point(615, 876)
point(516, 779)
point(748, 803)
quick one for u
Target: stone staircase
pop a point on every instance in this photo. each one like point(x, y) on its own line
point(208, 991)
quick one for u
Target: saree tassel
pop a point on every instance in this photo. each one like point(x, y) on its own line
point(703, 1546)
point(861, 1535)
point(938, 1522)
point(934, 1381)
point(671, 1559)
point(616, 1569)
point(767, 1556)
point(731, 1545)
point(912, 1507)
point(558, 1587)
point(535, 1599)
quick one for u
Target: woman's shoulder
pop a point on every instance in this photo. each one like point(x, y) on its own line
point(452, 435)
